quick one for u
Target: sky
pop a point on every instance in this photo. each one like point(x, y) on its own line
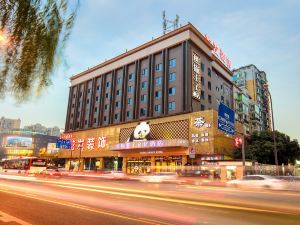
point(261, 32)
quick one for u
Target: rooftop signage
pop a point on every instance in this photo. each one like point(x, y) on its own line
point(150, 144)
point(218, 52)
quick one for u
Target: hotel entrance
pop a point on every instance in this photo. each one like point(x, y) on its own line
point(168, 163)
point(138, 165)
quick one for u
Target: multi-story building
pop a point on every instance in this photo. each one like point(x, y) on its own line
point(9, 124)
point(249, 78)
point(174, 83)
point(242, 108)
point(21, 143)
point(39, 128)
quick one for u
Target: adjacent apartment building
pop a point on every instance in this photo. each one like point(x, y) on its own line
point(253, 82)
point(9, 124)
point(155, 105)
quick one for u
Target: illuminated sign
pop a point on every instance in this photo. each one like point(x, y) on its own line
point(90, 143)
point(149, 144)
point(196, 81)
point(217, 51)
point(18, 141)
point(238, 141)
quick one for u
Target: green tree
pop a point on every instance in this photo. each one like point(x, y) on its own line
point(259, 147)
point(36, 32)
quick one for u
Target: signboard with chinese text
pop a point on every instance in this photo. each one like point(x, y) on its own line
point(218, 52)
point(62, 143)
point(196, 80)
point(226, 119)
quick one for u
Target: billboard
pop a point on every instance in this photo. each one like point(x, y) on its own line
point(18, 141)
point(65, 144)
point(226, 119)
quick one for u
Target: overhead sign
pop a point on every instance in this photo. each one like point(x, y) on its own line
point(61, 143)
point(226, 119)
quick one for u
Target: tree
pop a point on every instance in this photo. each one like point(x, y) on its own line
point(36, 31)
point(259, 147)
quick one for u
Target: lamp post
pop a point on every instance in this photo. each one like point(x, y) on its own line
point(273, 128)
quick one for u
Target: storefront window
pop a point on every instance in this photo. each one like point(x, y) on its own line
point(168, 163)
point(230, 172)
point(138, 165)
point(90, 163)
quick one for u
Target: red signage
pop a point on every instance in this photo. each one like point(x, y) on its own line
point(217, 51)
point(238, 141)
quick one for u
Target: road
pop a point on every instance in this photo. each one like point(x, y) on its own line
point(31, 200)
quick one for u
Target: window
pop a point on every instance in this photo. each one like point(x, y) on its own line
point(105, 107)
point(157, 108)
point(73, 105)
point(95, 120)
point(172, 91)
point(107, 84)
point(202, 95)
point(78, 114)
point(217, 89)
point(129, 101)
point(97, 98)
point(85, 122)
point(158, 67)
point(119, 80)
point(172, 76)
point(107, 95)
point(117, 104)
point(87, 101)
point(72, 115)
point(209, 98)
point(202, 107)
point(145, 72)
point(143, 98)
point(142, 112)
point(118, 92)
point(222, 99)
point(158, 94)
point(89, 90)
point(221, 87)
point(130, 77)
point(80, 94)
point(209, 85)
point(129, 89)
point(98, 87)
point(144, 84)
point(158, 80)
point(172, 106)
point(172, 63)
point(202, 81)
point(202, 67)
point(96, 109)
point(209, 72)
point(104, 118)
point(129, 114)
point(116, 116)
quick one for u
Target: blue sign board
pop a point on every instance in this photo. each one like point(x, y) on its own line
point(61, 143)
point(226, 119)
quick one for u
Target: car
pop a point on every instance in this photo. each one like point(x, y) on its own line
point(160, 177)
point(257, 181)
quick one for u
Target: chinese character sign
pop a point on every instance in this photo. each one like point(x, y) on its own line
point(101, 142)
point(196, 81)
point(90, 143)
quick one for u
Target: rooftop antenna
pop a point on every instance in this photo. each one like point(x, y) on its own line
point(169, 24)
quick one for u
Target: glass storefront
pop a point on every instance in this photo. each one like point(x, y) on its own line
point(89, 163)
point(168, 163)
point(138, 165)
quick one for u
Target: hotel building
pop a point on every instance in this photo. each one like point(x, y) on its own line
point(174, 83)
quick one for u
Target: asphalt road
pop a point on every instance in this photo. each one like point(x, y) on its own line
point(31, 200)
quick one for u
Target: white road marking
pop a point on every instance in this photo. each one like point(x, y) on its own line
point(8, 218)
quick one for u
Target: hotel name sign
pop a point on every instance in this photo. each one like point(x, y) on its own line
point(150, 144)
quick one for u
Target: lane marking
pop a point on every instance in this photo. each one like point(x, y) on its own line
point(78, 206)
point(6, 218)
point(239, 190)
point(215, 205)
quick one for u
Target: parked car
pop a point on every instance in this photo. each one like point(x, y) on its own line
point(257, 181)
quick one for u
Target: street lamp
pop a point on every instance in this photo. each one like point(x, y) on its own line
point(274, 138)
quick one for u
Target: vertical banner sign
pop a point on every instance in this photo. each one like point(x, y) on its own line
point(226, 119)
point(196, 81)
point(192, 152)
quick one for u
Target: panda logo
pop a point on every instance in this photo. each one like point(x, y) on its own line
point(141, 132)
